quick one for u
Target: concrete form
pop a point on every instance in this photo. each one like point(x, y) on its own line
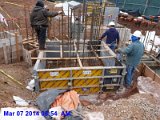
point(88, 70)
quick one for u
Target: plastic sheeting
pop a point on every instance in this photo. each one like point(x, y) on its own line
point(3, 20)
point(146, 7)
point(45, 99)
point(68, 101)
point(67, 5)
point(147, 86)
point(31, 85)
point(19, 101)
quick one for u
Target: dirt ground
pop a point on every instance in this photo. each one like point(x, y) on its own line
point(142, 28)
point(8, 88)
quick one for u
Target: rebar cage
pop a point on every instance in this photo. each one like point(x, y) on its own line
point(87, 70)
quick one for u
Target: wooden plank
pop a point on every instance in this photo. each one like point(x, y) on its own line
point(84, 68)
point(158, 61)
point(109, 50)
point(29, 58)
point(24, 53)
point(41, 54)
point(79, 51)
point(73, 58)
point(33, 50)
point(5, 53)
point(150, 73)
point(61, 52)
point(79, 61)
point(17, 47)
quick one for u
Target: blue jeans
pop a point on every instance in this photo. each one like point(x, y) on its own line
point(112, 46)
point(129, 75)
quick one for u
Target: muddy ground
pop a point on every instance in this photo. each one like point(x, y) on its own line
point(21, 72)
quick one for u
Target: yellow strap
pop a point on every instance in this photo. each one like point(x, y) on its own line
point(13, 79)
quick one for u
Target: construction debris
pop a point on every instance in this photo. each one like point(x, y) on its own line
point(68, 101)
point(31, 85)
point(19, 101)
point(45, 99)
point(3, 20)
point(94, 116)
point(147, 86)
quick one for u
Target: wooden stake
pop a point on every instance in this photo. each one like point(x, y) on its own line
point(17, 47)
point(5, 53)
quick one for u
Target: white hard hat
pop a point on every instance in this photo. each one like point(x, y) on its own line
point(137, 33)
point(111, 23)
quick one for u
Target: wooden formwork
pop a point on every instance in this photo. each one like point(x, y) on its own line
point(87, 71)
point(151, 69)
point(11, 48)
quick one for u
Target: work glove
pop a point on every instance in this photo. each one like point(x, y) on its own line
point(46, 6)
point(116, 46)
point(100, 39)
point(60, 12)
point(117, 50)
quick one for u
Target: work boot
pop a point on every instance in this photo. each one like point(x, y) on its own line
point(121, 90)
point(41, 48)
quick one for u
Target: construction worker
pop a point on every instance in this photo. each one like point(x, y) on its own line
point(39, 21)
point(77, 29)
point(112, 36)
point(134, 53)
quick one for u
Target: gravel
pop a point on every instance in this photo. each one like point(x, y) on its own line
point(137, 107)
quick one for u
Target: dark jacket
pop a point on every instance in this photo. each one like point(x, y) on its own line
point(134, 53)
point(112, 36)
point(39, 16)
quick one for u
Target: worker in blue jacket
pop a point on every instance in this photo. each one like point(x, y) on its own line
point(134, 54)
point(112, 36)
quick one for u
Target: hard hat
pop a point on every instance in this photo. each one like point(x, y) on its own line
point(137, 33)
point(111, 23)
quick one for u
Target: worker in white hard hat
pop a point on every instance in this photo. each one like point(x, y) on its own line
point(112, 36)
point(134, 53)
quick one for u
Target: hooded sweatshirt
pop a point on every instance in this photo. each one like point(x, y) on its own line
point(39, 16)
point(112, 36)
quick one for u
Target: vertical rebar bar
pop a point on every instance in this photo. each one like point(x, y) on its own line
point(69, 34)
point(26, 24)
point(59, 22)
point(62, 37)
point(84, 11)
point(78, 29)
point(85, 32)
